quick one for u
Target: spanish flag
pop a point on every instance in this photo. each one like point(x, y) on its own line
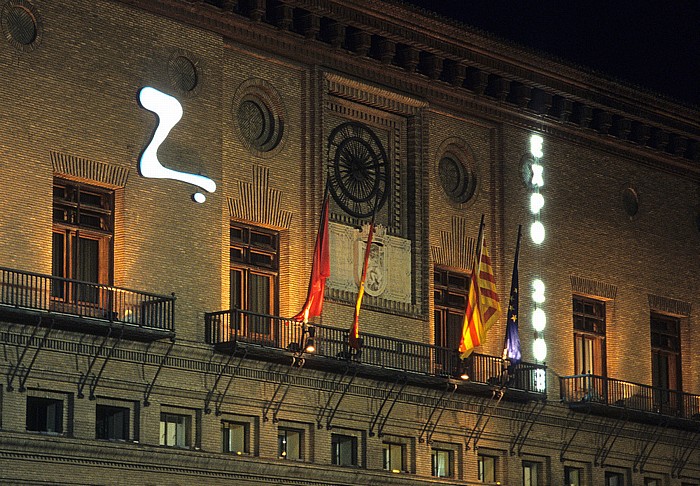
point(354, 337)
point(320, 270)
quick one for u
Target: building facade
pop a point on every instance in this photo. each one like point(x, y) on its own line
point(164, 166)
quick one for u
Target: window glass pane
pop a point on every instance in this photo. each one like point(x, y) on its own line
point(344, 452)
point(441, 463)
point(174, 430)
point(111, 422)
point(393, 457)
point(614, 479)
point(58, 264)
point(487, 469)
point(259, 301)
point(530, 474)
point(289, 444)
point(44, 415)
point(572, 476)
point(236, 288)
point(236, 438)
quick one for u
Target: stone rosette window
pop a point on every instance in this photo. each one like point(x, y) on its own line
point(457, 173)
point(184, 72)
point(21, 24)
point(258, 116)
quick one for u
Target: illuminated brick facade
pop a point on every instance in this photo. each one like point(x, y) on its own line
point(432, 119)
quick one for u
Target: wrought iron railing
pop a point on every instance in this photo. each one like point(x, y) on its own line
point(86, 299)
point(632, 396)
point(232, 326)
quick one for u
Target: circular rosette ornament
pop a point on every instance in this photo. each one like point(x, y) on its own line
point(358, 171)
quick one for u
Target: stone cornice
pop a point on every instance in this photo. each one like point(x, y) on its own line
point(493, 78)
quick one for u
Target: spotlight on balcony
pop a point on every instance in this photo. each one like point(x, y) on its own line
point(463, 375)
point(310, 341)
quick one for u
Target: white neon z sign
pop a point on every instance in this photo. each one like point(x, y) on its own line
point(169, 112)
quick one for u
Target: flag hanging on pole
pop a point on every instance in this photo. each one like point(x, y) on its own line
point(483, 304)
point(354, 337)
point(489, 303)
point(320, 270)
point(511, 346)
point(472, 328)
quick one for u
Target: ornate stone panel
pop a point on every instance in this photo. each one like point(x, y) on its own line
point(389, 270)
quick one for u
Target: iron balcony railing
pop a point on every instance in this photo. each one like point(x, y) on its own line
point(35, 291)
point(632, 396)
point(227, 327)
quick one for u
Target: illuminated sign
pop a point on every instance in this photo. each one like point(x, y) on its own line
point(169, 112)
point(537, 233)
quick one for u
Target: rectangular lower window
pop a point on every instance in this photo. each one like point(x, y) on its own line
point(236, 437)
point(487, 468)
point(442, 463)
point(175, 430)
point(572, 476)
point(344, 450)
point(44, 415)
point(290, 443)
point(614, 479)
point(531, 473)
point(394, 457)
point(111, 423)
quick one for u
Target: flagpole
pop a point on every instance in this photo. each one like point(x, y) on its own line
point(354, 340)
point(464, 352)
point(477, 251)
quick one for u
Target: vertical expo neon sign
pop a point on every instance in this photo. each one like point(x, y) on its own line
point(539, 318)
point(169, 112)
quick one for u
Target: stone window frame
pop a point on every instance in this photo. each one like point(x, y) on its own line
point(66, 400)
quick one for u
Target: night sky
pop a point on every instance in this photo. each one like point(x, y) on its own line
point(651, 44)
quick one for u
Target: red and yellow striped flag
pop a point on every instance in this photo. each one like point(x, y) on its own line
point(354, 337)
point(483, 304)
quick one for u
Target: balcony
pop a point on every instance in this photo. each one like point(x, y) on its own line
point(640, 403)
point(274, 338)
point(85, 307)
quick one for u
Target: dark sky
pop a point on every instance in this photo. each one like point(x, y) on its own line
point(654, 44)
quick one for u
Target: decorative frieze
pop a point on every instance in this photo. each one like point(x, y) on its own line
point(596, 288)
point(100, 172)
point(670, 306)
point(259, 204)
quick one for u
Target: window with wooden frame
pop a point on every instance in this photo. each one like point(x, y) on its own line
point(254, 257)
point(82, 244)
point(450, 299)
point(665, 360)
point(589, 336)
